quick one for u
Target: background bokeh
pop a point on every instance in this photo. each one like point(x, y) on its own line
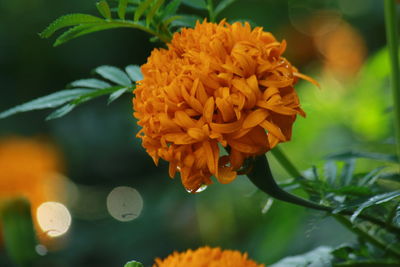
point(340, 43)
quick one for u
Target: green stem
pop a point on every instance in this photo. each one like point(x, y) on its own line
point(262, 177)
point(359, 232)
point(392, 42)
point(284, 161)
point(130, 24)
point(210, 8)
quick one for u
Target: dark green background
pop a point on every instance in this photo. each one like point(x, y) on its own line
point(101, 150)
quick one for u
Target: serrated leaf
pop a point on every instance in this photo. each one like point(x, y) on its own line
point(133, 264)
point(114, 74)
point(134, 72)
point(375, 200)
point(82, 30)
point(58, 113)
point(104, 9)
point(198, 4)
point(68, 20)
point(347, 172)
point(185, 21)
point(50, 101)
point(370, 177)
point(396, 218)
point(222, 5)
point(342, 252)
point(366, 155)
point(170, 9)
point(117, 94)
point(90, 83)
point(122, 5)
point(93, 27)
point(330, 170)
point(352, 190)
point(154, 8)
point(141, 9)
point(320, 256)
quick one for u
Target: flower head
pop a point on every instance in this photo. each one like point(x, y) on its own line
point(217, 85)
point(207, 257)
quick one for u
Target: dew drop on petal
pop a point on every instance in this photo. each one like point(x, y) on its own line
point(201, 189)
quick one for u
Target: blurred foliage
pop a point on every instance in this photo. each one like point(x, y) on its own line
point(101, 150)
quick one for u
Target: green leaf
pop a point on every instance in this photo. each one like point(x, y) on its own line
point(342, 252)
point(375, 200)
point(171, 9)
point(347, 172)
point(19, 235)
point(320, 256)
point(104, 9)
point(366, 155)
point(90, 83)
point(58, 113)
point(122, 5)
point(114, 74)
point(117, 94)
point(133, 264)
point(153, 11)
point(222, 5)
point(352, 190)
point(68, 20)
point(93, 27)
point(64, 110)
point(198, 4)
point(134, 72)
point(330, 170)
point(50, 101)
point(141, 9)
point(185, 21)
point(82, 30)
point(396, 218)
point(370, 177)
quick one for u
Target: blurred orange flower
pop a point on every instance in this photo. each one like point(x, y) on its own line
point(344, 50)
point(29, 169)
point(217, 84)
point(206, 256)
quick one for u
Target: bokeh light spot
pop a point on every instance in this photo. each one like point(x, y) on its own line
point(53, 218)
point(124, 203)
point(41, 250)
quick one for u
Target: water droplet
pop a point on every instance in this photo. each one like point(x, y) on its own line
point(201, 189)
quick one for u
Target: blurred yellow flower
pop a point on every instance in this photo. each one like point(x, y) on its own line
point(29, 169)
point(217, 84)
point(207, 257)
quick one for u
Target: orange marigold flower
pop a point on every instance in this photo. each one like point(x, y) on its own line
point(217, 84)
point(28, 169)
point(207, 257)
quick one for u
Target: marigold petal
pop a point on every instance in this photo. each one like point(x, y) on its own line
point(273, 129)
point(183, 120)
point(255, 118)
point(179, 138)
point(226, 127)
point(208, 111)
